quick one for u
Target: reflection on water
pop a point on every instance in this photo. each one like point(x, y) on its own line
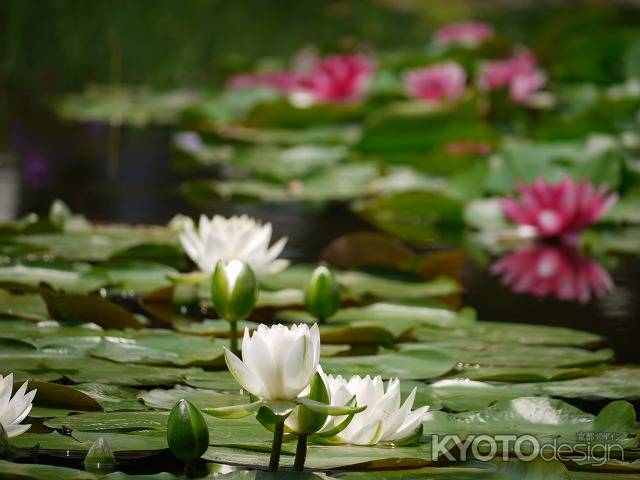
point(553, 270)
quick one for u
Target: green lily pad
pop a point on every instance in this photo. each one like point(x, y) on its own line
point(41, 472)
point(614, 382)
point(105, 421)
point(493, 373)
point(326, 457)
point(440, 318)
point(461, 395)
point(81, 279)
point(481, 353)
point(474, 470)
point(214, 328)
point(161, 347)
point(404, 214)
point(203, 398)
point(357, 284)
point(139, 277)
point(25, 306)
point(111, 398)
point(544, 418)
point(418, 365)
point(512, 333)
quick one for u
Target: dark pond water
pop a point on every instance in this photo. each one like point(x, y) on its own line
point(130, 179)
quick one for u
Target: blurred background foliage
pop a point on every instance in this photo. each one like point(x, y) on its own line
point(62, 45)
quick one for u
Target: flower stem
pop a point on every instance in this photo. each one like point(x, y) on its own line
point(276, 447)
point(301, 453)
point(233, 337)
point(189, 469)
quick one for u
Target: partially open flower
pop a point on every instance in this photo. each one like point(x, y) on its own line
point(547, 270)
point(445, 81)
point(465, 34)
point(336, 78)
point(234, 290)
point(235, 238)
point(278, 362)
point(14, 410)
point(560, 209)
point(322, 297)
point(384, 420)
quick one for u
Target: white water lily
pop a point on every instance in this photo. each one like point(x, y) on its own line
point(235, 238)
point(384, 419)
point(14, 410)
point(278, 362)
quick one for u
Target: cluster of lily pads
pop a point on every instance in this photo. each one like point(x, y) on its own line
point(466, 117)
point(121, 333)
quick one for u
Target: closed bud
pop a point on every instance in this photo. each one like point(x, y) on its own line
point(322, 298)
point(187, 431)
point(234, 290)
point(100, 458)
point(303, 420)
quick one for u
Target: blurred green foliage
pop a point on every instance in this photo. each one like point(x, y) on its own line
point(52, 45)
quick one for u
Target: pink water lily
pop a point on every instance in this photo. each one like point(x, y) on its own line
point(445, 81)
point(337, 78)
point(548, 270)
point(560, 209)
point(466, 34)
point(519, 73)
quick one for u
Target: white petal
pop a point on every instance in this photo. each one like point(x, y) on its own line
point(25, 405)
point(15, 406)
point(368, 435)
point(410, 425)
point(258, 358)
point(6, 386)
point(242, 374)
point(299, 367)
point(15, 430)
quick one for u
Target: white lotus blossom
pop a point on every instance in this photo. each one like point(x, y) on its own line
point(14, 410)
point(278, 362)
point(384, 419)
point(235, 238)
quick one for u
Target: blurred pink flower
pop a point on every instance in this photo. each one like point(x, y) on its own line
point(467, 34)
point(560, 209)
point(547, 270)
point(337, 78)
point(283, 81)
point(519, 73)
point(444, 81)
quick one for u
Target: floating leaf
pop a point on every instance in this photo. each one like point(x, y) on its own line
point(418, 365)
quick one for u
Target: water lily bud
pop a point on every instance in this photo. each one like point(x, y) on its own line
point(303, 420)
point(322, 298)
point(187, 431)
point(234, 289)
point(100, 458)
point(59, 213)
